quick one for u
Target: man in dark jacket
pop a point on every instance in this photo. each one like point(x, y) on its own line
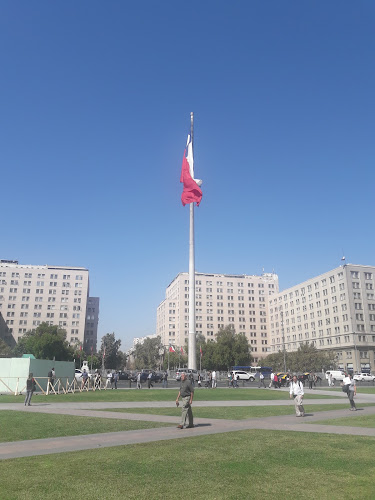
point(187, 394)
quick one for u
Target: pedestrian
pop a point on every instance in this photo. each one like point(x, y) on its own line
point(187, 394)
point(210, 380)
point(311, 380)
point(85, 377)
point(330, 380)
point(351, 390)
point(109, 379)
point(149, 380)
point(199, 380)
point(214, 381)
point(271, 380)
point(165, 380)
point(261, 380)
point(51, 378)
point(275, 381)
point(296, 391)
point(236, 378)
point(115, 379)
point(139, 384)
point(97, 379)
point(30, 388)
point(230, 379)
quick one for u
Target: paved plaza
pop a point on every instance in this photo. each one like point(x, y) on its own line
point(202, 425)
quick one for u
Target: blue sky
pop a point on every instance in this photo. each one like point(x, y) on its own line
point(95, 108)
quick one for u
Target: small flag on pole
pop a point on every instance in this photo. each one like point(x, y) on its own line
point(171, 348)
point(192, 191)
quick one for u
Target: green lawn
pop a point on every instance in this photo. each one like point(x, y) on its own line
point(357, 421)
point(264, 465)
point(19, 425)
point(161, 395)
point(233, 412)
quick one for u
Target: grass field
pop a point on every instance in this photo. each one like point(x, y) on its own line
point(19, 425)
point(264, 465)
point(161, 395)
point(234, 412)
point(357, 421)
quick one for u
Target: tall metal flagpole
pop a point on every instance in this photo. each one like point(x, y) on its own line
point(192, 358)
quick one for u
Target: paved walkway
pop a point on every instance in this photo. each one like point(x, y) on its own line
point(203, 426)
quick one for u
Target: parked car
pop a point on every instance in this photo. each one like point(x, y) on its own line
point(242, 375)
point(364, 377)
point(78, 374)
point(123, 375)
point(188, 372)
point(155, 377)
point(336, 375)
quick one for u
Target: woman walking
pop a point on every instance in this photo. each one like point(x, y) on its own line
point(30, 388)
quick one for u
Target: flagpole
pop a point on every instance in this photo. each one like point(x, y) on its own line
point(192, 359)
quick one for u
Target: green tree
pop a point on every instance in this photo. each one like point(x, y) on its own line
point(147, 354)
point(230, 349)
point(5, 350)
point(306, 358)
point(45, 342)
point(113, 358)
point(176, 360)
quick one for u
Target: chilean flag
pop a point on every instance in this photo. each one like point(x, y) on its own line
point(171, 348)
point(182, 350)
point(192, 191)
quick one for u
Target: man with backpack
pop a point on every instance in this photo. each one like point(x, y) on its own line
point(296, 391)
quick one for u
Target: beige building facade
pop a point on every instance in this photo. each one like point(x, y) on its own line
point(334, 311)
point(221, 300)
point(30, 295)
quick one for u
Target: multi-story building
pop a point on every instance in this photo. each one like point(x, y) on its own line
point(221, 300)
point(91, 327)
point(30, 295)
point(334, 311)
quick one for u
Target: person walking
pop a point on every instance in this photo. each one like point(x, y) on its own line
point(85, 378)
point(139, 384)
point(186, 393)
point(109, 379)
point(311, 380)
point(296, 391)
point(261, 380)
point(149, 380)
point(214, 379)
point(352, 390)
point(115, 379)
point(165, 380)
point(271, 380)
point(30, 388)
point(97, 379)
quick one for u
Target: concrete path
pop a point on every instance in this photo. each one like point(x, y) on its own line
point(203, 426)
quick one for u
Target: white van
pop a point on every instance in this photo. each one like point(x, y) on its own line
point(336, 375)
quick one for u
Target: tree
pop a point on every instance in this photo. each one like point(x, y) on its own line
point(113, 357)
point(306, 358)
point(45, 342)
point(5, 350)
point(147, 354)
point(230, 349)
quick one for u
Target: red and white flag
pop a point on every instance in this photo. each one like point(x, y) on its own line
point(182, 350)
point(171, 348)
point(192, 191)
